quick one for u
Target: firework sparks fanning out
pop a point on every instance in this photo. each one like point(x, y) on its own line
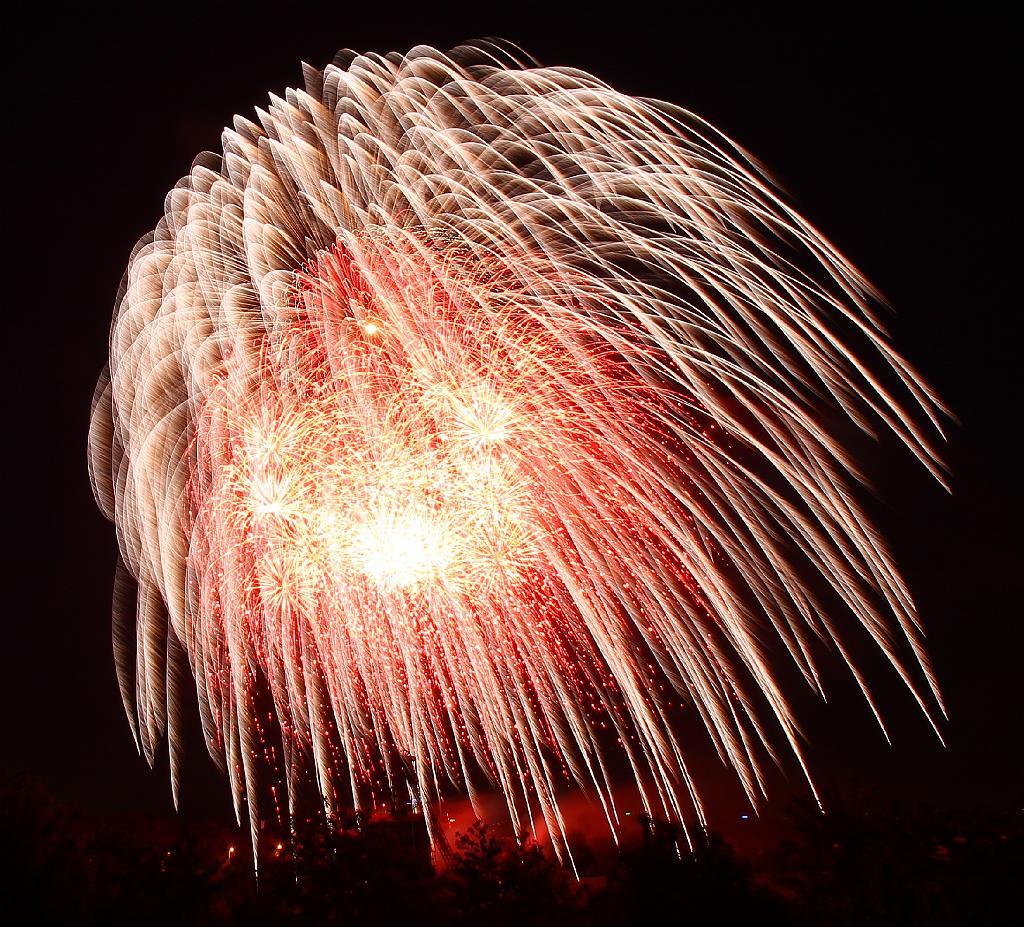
point(476, 413)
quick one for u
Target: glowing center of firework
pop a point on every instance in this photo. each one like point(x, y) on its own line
point(269, 495)
point(403, 551)
point(398, 461)
point(483, 418)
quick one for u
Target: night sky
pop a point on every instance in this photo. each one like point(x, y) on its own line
point(889, 134)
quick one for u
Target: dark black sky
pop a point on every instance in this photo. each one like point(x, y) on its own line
point(890, 133)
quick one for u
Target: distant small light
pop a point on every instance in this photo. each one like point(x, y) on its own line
point(744, 817)
point(280, 846)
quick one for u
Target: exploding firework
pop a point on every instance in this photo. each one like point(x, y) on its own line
point(479, 419)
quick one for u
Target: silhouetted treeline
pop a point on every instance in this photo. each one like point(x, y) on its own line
point(847, 868)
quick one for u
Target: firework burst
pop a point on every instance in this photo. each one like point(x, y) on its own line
point(478, 414)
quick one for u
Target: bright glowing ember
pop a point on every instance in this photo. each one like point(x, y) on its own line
point(475, 417)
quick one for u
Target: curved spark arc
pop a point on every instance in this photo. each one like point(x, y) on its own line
point(473, 407)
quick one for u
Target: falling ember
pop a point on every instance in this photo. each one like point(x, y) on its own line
point(475, 413)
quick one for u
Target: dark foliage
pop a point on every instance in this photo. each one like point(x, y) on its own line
point(902, 867)
point(847, 868)
point(708, 884)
